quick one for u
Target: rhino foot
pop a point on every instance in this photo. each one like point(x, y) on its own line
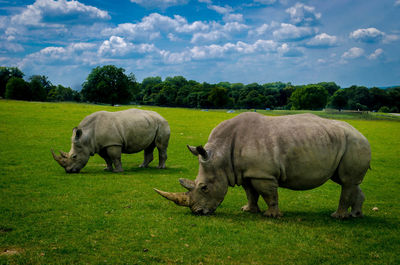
point(357, 214)
point(273, 213)
point(118, 170)
point(251, 209)
point(108, 169)
point(341, 215)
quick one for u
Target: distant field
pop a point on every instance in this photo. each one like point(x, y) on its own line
point(97, 217)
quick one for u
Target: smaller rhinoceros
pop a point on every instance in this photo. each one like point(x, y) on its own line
point(262, 153)
point(111, 133)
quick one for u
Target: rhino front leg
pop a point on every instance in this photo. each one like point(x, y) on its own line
point(114, 153)
point(104, 155)
point(268, 189)
point(252, 198)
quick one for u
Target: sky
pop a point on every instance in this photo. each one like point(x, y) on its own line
point(302, 41)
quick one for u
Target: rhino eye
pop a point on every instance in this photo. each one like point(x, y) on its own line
point(204, 188)
point(73, 156)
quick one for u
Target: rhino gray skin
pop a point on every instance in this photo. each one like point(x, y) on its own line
point(111, 133)
point(262, 153)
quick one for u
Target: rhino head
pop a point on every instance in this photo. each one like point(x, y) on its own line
point(207, 192)
point(77, 157)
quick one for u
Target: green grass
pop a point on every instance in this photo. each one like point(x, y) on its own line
point(96, 217)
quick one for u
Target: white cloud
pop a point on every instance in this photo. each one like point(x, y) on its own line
point(218, 51)
point(159, 3)
point(220, 32)
point(353, 53)
point(152, 25)
point(397, 3)
point(261, 30)
point(50, 10)
point(233, 17)
point(291, 32)
point(117, 46)
point(10, 47)
point(286, 51)
point(301, 14)
point(368, 35)
point(265, 2)
point(220, 9)
point(227, 12)
point(322, 40)
point(376, 54)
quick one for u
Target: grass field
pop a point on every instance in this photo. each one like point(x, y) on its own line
point(97, 217)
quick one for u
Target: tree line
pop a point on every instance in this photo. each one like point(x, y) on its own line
point(110, 85)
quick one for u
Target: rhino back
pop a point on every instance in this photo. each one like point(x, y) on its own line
point(300, 151)
point(132, 129)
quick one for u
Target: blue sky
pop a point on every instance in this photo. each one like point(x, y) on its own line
point(348, 42)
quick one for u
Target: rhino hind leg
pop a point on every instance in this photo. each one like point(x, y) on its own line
point(162, 157)
point(268, 189)
point(161, 142)
point(351, 196)
point(148, 155)
point(252, 198)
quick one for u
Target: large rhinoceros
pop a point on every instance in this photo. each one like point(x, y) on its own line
point(111, 133)
point(262, 153)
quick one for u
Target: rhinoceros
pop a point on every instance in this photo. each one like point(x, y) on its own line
point(111, 133)
point(261, 153)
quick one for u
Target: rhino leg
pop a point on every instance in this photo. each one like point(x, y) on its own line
point(268, 189)
point(104, 155)
point(114, 153)
point(148, 155)
point(161, 142)
point(252, 198)
point(162, 157)
point(356, 205)
point(351, 196)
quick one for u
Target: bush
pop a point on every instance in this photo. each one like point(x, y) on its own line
point(311, 97)
point(18, 88)
point(384, 109)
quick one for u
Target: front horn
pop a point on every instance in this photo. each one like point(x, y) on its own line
point(180, 198)
point(59, 159)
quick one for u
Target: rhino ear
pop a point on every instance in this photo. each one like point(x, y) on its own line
point(187, 183)
point(202, 152)
point(199, 150)
point(193, 150)
point(78, 134)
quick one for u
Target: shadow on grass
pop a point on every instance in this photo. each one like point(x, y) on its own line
point(307, 219)
point(131, 170)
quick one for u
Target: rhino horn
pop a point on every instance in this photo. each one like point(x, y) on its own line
point(63, 154)
point(187, 183)
point(60, 160)
point(180, 198)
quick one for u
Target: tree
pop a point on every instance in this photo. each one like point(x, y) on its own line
point(339, 99)
point(358, 97)
point(17, 88)
point(134, 87)
point(40, 87)
point(61, 93)
point(107, 84)
point(6, 73)
point(331, 87)
point(218, 97)
point(311, 97)
point(379, 98)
